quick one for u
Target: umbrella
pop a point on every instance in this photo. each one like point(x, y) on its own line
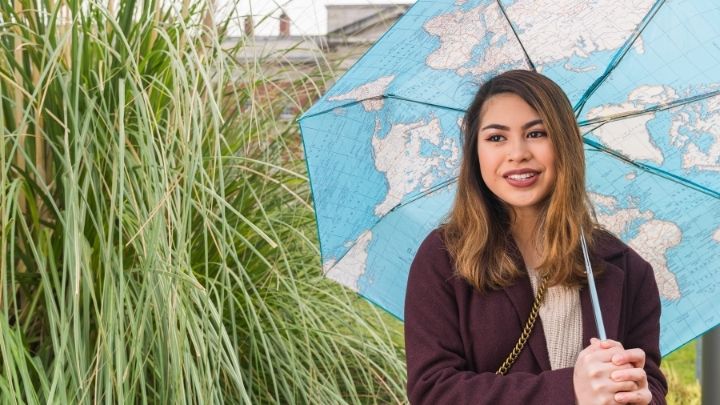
point(383, 144)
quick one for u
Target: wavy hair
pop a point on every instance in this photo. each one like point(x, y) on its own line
point(477, 231)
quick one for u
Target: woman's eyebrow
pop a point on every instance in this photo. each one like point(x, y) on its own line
point(532, 123)
point(505, 128)
point(496, 126)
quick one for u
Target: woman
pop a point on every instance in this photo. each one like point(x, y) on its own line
point(512, 241)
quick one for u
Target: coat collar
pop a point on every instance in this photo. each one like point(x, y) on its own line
point(610, 285)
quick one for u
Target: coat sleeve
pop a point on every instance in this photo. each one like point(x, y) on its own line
point(644, 326)
point(437, 366)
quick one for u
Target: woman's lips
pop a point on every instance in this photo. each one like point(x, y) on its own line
point(522, 179)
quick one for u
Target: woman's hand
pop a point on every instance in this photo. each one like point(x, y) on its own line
point(636, 359)
point(592, 380)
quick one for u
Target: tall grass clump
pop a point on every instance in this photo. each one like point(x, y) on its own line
point(157, 240)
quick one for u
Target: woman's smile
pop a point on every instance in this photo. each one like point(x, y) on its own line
point(521, 178)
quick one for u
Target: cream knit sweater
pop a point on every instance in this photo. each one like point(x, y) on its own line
point(562, 322)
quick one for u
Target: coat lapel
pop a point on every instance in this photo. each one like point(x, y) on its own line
point(522, 297)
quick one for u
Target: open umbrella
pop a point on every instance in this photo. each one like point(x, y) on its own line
point(383, 144)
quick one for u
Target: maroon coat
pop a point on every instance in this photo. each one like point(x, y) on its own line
point(456, 338)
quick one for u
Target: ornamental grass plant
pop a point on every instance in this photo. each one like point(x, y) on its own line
point(157, 238)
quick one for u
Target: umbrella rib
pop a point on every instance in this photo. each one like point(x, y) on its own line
point(423, 193)
point(349, 103)
point(654, 170)
point(512, 27)
point(619, 55)
point(401, 98)
point(655, 108)
point(384, 96)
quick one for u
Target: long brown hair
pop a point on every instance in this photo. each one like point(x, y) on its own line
point(477, 232)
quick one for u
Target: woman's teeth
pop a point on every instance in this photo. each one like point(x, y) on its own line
point(521, 176)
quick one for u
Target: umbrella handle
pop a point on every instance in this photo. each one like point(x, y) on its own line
point(593, 291)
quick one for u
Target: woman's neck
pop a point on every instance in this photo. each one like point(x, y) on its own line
point(523, 229)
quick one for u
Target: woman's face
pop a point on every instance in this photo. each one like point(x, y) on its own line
point(517, 160)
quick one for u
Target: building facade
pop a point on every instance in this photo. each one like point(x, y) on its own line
point(285, 59)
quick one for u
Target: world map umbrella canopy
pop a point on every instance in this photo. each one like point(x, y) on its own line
point(383, 145)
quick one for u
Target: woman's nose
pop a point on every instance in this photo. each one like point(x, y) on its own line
point(518, 150)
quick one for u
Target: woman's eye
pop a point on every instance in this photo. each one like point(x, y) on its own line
point(495, 138)
point(536, 134)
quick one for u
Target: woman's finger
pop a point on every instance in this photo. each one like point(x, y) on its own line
point(608, 343)
point(624, 386)
point(630, 374)
point(636, 357)
point(605, 354)
point(642, 396)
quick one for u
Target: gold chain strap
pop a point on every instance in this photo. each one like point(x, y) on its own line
point(526, 331)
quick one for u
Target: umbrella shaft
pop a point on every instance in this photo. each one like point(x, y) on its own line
point(593, 291)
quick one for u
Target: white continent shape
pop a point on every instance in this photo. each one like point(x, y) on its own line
point(461, 31)
point(690, 124)
point(370, 94)
point(349, 268)
point(692, 119)
point(555, 30)
point(652, 242)
point(653, 239)
point(398, 155)
point(630, 136)
point(716, 236)
point(550, 31)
